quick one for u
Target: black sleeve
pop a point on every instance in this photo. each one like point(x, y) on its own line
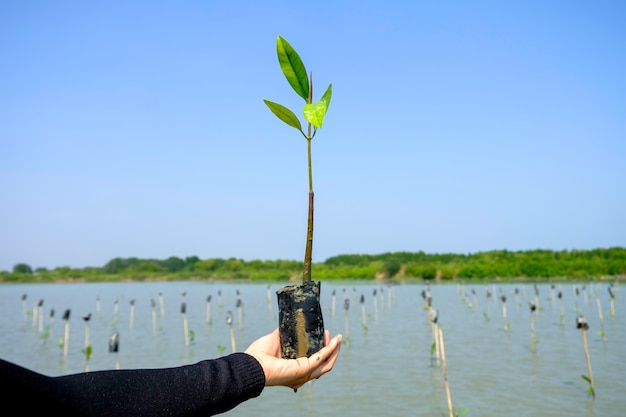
point(206, 388)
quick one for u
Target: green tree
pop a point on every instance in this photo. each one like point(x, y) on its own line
point(22, 269)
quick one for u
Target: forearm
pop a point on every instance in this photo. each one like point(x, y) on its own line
point(205, 388)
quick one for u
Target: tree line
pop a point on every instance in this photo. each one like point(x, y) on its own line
point(502, 264)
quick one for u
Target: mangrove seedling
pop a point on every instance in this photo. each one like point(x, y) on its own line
point(602, 333)
point(40, 314)
point(208, 309)
point(229, 322)
point(375, 304)
point(533, 341)
point(301, 325)
point(87, 351)
point(363, 321)
point(132, 313)
point(612, 299)
point(24, 306)
point(581, 324)
point(183, 311)
point(503, 299)
point(66, 339)
point(153, 313)
point(560, 297)
point(239, 306)
point(114, 347)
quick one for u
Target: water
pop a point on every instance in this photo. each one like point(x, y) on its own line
point(385, 369)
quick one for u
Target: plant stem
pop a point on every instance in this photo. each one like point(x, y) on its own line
point(445, 370)
point(593, 390)
point(308, 253)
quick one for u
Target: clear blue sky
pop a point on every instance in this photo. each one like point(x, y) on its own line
point(139, 129)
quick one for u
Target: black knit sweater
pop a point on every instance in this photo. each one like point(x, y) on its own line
point(206, 388)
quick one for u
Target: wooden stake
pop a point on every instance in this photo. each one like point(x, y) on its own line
point(581, 323)
point(445, 370)
point(152, 306)
point(183, 310)
point(66, 340)
point(601, 319)
point(229, 322)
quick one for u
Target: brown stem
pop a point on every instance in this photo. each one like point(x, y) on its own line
point(308, 253)
point(306, 276)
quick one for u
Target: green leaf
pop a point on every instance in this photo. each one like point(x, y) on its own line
point(433, 347)
point(462, 411)
point(314, 113)
point(327, 95)
point(293, 68)
point(586, 378)
point(284, 114)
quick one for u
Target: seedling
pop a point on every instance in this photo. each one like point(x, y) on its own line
point(229, 322)
point(66, 339)
point(533, 341)
point(581, 324)
point(602, 333)
point(612, 299)
point(153, 313)
point(132, 313)
point(183, 311)
point(301, 324)
point(208, 310)
point(363, 321)
point(114, 347)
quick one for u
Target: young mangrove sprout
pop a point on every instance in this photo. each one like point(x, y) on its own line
point(153, 313)
point(294, 70)
point(183, 311)
point(375, 304)
point(560, 297)
point(161, 304)
point(66, 339)
point(300, 304)
point(40, 315)
point(24, 306)
point(346, 307)
point(363, 321)
point(444, 368)
point(612, 299)
point(116, 309)
point(581, 324)
point(229, 322)
point(602, 333)
point(503, 299)
point(87, 351)
point(51, 323)
point(132, 313)
point(114, 346)
point(239, 305)
point(208, 310)
point(533, 310)
point(435, 349)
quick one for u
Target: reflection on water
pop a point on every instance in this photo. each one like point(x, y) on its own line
point(386, 366)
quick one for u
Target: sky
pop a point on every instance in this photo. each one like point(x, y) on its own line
point(138, 129)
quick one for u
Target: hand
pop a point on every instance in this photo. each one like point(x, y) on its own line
point(293, 373)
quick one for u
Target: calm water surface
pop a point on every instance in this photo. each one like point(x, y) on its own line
point(385, 366)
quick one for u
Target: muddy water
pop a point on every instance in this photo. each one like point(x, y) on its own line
point(386, 367)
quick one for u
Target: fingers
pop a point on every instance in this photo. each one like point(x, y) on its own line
point(324, 360)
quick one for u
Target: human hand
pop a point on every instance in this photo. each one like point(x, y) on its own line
point(293, 373)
